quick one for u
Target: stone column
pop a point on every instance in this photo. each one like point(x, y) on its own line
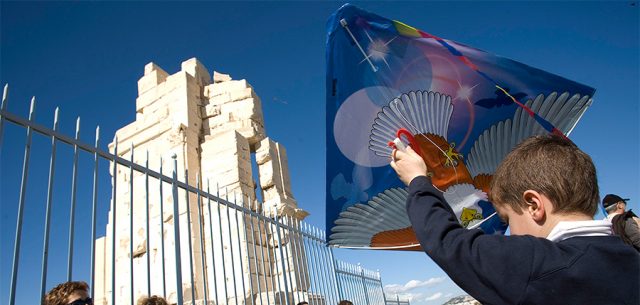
point(212, 127)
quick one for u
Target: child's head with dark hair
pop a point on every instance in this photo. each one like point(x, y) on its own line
point(152, 300)
point(546, 168)
point(67, 293)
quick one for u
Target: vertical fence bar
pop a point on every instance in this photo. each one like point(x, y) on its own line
point(23, 187)
point(288, 251)
point(285, 258)
point(350, 283)
point(330, 271)
point(384, 297)
point(264, 268)
point(295, 256)
point(148, 254)
point(164, 282)
point(335, 274)
point(235, 212)
point(318, 254)
point(276, 223)
point(255, 254)
point(72, 215)
point(246, 242)
point(275, 282)
point(131, 226)
point(213, 260)
point(47, 224)
point(202, 256)
point(364, 285)
point(93, 214)
point(3, 107)
point(164, 273)
point(224, 268)
point(233, 263)
point(176, 230)
point(191, 271)
point(326, 269)
point(315, 260)
point(304, 259)
point(354, 284)
point(113, 221)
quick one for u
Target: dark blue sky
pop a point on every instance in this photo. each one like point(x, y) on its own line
point(86, 57)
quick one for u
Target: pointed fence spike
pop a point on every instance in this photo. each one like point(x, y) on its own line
point(77, 127)
point(32, 107)
point(5, 94)
point(55, 117)
point(97, 135)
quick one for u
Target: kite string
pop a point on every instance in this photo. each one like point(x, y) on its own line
point(465, 60)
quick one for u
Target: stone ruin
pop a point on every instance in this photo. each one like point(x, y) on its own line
point(210, 127)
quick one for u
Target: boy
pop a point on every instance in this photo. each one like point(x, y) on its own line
point(69, 293)
point(546, 190)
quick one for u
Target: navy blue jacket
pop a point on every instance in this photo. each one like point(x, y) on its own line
point(498, 269)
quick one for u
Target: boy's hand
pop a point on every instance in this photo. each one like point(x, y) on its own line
point(408, 164)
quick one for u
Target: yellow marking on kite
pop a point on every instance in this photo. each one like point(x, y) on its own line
point(406, 30)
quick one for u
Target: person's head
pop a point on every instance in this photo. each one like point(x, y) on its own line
point(303, 303)
point(152, 300)
point(76, 293)
point(614, 204)
point(345, 302)
point(543, 179)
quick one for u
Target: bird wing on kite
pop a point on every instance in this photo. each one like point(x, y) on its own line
point(464, 110)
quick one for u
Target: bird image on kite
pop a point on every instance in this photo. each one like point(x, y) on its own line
point(461, 109)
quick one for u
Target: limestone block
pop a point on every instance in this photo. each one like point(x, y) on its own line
point(153, 75)
point(271, 193)
point(264, 150)
point(284, 169)
point(280, 206)
point(224, 87)
point(251, 130)
point(220, 77)
point(242, 109)
point(209, 110)
point(196, 69)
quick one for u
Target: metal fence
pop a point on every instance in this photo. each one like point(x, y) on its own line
point(396, 301)
point(185, 243)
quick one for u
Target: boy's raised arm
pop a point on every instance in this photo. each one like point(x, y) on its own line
point(485, 266)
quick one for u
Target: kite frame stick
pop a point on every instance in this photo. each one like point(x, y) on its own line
point(344, 24)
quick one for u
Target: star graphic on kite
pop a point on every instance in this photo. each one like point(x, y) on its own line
point(377, 50)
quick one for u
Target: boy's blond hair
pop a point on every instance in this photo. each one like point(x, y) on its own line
point(59, 294)
point(553, 166)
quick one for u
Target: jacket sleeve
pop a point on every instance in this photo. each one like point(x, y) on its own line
point(494, 269)
point(632, 231)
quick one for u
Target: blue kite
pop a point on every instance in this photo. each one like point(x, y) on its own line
point(460, 108)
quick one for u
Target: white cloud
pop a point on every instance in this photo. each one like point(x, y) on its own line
point(435, 296)
point(412, 284)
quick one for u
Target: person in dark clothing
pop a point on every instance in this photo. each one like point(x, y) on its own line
point(546, 190)
point(624, 223)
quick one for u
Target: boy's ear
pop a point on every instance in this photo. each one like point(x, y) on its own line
point(536, 205)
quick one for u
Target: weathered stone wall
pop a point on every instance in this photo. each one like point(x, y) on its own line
point(209, 128)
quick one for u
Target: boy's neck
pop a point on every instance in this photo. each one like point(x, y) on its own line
point(554, 219)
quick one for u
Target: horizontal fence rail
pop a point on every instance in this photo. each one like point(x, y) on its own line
point(131, 231)
point(396, 301)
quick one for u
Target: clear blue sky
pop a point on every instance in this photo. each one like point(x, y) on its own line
point(87, 57)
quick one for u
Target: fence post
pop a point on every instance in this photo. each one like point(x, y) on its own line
point(335, 272)
point(23, 187)
point(176, 230)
